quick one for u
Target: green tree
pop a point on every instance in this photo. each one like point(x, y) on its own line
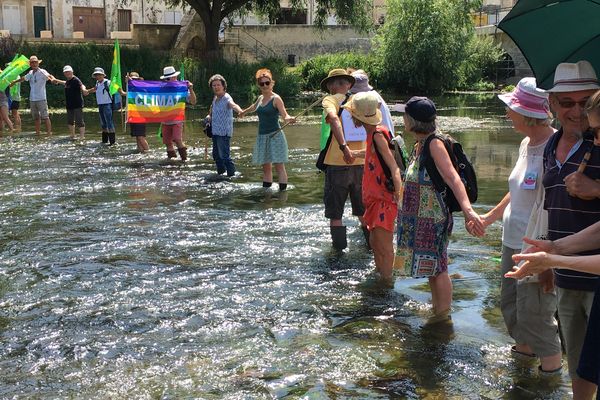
point(423, 44)
point(212, 13)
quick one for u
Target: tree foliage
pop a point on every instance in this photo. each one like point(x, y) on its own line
point(212, 13)
point(425, 44)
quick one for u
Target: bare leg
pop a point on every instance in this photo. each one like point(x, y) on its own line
point(142, 144)
point(17, 118)
point(179, 144)
point(441, 292)
point(551, 363)
point(582, 389)
point(383, 250)
point(37, 123)
point(267, 173)
point(81, 132)
point(4, 117)
point(281, 173)
point(48, 126)
point(72, 131)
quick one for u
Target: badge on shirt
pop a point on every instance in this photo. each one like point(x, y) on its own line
point(530, 180)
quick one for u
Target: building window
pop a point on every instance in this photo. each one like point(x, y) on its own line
point(124, 20)
point(172, 17)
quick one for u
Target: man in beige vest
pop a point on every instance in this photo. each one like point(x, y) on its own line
point(343, 176)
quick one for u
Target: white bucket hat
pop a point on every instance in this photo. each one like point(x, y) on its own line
point(526, 99)
point(575, 77)
point(98, 71)
point(169, 72)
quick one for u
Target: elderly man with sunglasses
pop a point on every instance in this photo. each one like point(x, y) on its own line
point(572, 208)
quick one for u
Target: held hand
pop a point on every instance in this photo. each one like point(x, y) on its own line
point(190, 85)
point(290, 120)
point(539, 245)
point(348, 157)
point(398, 194)
point(474, 224)
point(581, 186)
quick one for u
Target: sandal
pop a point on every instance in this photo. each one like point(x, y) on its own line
point(519, 354)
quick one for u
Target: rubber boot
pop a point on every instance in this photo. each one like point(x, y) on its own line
point(367, 235)
point(182, 153)
point(112, 138)
point(104, 137)
point(338, 237)
point(282, 187)
point(171, 154)
point(267, 184)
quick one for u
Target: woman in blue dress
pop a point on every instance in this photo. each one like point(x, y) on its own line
point(271, 147)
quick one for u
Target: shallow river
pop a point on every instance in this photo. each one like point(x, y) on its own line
point(124, 276)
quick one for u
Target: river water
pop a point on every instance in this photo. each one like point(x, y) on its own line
point(125, 276)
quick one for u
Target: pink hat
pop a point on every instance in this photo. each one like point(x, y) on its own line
point(526, 99)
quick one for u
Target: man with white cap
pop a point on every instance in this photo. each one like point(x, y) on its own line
point(74, 91)
point(104, 100)
point(37, 78)
point(570, 207)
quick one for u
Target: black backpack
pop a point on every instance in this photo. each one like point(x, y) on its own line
point(396, 145)
point(114, 100)
point(461, 163)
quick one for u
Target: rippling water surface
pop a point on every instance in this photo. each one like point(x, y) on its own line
point(126, 276)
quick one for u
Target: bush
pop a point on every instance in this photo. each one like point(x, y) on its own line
point(149, 64)
point(315, 69)
point(480, 65)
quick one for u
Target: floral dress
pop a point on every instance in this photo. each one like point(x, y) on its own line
point(424, 225)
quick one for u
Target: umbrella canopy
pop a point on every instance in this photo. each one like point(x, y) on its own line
point(549, 32)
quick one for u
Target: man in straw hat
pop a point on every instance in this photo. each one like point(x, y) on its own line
point(380, 200)
point(104, 101)
point(343, 176)
point(37, 78)
point(570, 207)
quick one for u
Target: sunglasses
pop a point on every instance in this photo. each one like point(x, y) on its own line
point(264, 83)
point(571, 103)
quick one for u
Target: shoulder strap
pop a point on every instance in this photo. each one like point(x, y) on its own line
point(105, 82)
point(339, 114)
point(426, 161)
point(384, 166)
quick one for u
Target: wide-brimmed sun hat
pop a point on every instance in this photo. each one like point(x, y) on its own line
point(361, 82)
point(34, 58)
point(134, 75)
point(67, 68)
point(575, 77)
point(336, 73)
point(169, 72)
point(98, 71)
point(526, 99)
point(420, 109)
point(364, 107)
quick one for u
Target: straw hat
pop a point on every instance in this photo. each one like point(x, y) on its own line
point(526, 99)
point(98, 71)
point(361, 83)
point(364, 107)
point(169, 72)
point(336, 73)
point(575, 77)
point(34, 58)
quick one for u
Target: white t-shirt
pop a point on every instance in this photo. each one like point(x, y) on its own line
point(102, 94)
point(524, 182)
point(37, 83)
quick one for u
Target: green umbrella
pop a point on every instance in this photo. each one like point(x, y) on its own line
point(549, 32)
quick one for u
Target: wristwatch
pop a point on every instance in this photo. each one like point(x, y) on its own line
point(342, 146)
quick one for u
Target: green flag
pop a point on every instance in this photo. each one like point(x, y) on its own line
point(115, 72)
point(182, 75)
point(10, 73)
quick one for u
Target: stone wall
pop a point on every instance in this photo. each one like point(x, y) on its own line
point(304, 41)
point(160, 37)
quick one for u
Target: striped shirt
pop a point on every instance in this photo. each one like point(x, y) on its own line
point(567, 214)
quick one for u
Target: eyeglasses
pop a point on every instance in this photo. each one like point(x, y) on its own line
point(571, 103)
point(264, 83)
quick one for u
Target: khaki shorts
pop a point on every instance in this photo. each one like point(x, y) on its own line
point(528, 312)
point(39, 109)
point(574, 307)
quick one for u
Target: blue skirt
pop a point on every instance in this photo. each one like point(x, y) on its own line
point(270, 149)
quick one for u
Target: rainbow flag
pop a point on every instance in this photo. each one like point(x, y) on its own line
point(156, 101)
